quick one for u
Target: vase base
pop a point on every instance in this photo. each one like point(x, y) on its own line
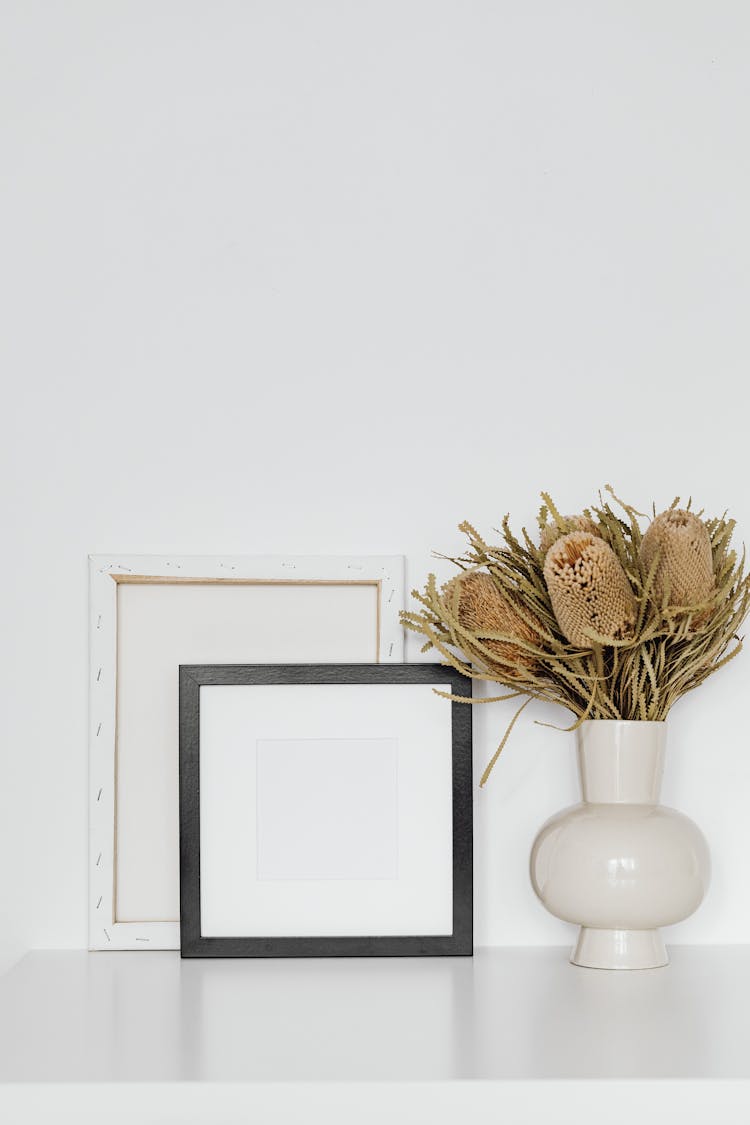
point(619, 949)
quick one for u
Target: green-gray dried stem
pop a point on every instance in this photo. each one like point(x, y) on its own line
point(607, 619)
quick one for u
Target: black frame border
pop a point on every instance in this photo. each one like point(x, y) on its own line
point(193, 944)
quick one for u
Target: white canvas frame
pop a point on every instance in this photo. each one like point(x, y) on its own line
point(106, 573)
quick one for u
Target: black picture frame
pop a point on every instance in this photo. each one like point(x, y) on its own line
point(193, 944)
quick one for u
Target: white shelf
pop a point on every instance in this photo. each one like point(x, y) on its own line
point(487, 1027)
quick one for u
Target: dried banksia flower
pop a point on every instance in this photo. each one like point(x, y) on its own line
point(481, 608)
point(561, 611)
point(551, 532)
point(589, 589)
point(685, 571)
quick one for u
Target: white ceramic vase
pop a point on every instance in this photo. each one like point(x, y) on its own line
point(619, 864)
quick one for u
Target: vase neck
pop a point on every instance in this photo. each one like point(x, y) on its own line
point(621, 762)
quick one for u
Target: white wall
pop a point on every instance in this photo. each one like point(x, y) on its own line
point(329, 277)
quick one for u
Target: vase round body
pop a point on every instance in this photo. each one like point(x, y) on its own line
point(619, 864)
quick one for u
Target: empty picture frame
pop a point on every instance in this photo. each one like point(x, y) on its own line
point(150, 614)
point(325, 810)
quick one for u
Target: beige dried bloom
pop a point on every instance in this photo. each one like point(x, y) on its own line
point(551, 532)
point(481, 608)
point(589, 589)
point(685, 571)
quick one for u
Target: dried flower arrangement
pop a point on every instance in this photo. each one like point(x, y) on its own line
point(608, 620)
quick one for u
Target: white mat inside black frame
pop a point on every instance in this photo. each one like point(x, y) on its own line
point(325, 811)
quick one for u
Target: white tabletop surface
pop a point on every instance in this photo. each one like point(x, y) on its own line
point(520, 1014)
